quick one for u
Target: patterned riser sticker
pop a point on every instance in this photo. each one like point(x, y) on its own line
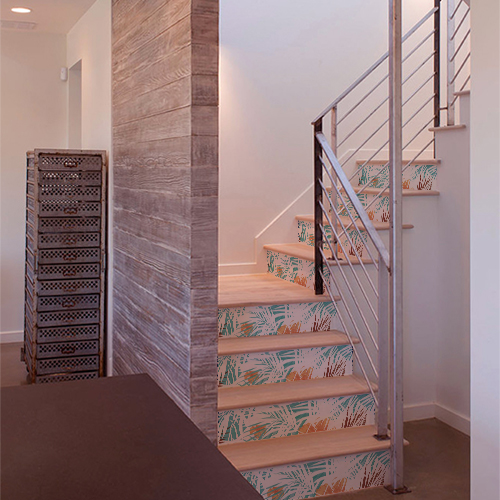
point(421, 177)
point(293, 269)
point(305, 417)
point(278, 319)
point(322, 477)
point(284, 366)
point(306, 235)
point(377, 211)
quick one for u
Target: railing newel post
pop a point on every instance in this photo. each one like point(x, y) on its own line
point(383, 352)
point(396, 245)
point(450, 62)
point(319, 287)
point(437, 64)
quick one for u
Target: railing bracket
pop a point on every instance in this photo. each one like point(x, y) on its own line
point(398, 491)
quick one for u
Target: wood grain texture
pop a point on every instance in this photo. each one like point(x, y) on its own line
point(231, 398)
point(165, 144)
point(263, 289)
point(269, 343)
point(303, 448)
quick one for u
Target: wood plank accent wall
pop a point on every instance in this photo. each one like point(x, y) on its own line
point(165, 144)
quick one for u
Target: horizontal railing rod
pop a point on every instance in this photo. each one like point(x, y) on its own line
point(348, 260)
point(418, 68)
point(349, 239)
point(457, 29)
point(372, 68)
point(461, 89)
point(409, 164)
point(460, 68)
point(339, 195)
point(361, 167)
point(454, 13)
point(453, 57)
point(347, 331)
point(419, 110)
point(351, 317)
point(367, 223)
point(368, 94)
point(358, 306)
point(418, 46)
point(353, 131)
point(357, 150)
point(419, 89)
point(363, 99)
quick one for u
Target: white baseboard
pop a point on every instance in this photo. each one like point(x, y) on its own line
point(11, 337)
point(435, 410)
point(419, 412)
point(453, 419)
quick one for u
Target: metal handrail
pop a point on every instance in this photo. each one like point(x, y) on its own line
point(375, 305)
point(372, 68)
point(346, 185)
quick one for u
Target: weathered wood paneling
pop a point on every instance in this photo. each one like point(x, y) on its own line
point(165, 145)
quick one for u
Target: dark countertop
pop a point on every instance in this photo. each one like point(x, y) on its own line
point(106, 439)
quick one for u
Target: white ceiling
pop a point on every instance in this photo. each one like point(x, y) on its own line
point(51, 16)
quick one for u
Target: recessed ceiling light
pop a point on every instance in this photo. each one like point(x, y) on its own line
point(21, 10)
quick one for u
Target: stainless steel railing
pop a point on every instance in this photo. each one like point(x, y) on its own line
point(458, 54)
point(385, 113)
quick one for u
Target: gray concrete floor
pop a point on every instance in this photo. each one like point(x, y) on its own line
point(436, 461)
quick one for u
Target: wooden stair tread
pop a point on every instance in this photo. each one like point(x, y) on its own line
point(446, 128)
point(263, 289)
point(432, 161)
point(266, 343)
point(303, 448)
point(249, 396)
point(306, 252)
point(380, 226)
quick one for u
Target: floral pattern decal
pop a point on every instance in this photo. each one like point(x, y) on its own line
point(305, 417)
point(358, 238)
point(322, 477)
point(417, 176)
point(284, 366)
point(281, 319)
point(293, 269)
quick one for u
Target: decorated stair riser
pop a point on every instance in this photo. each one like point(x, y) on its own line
point(284, 366)
point(292, 419)
point(418, 176)
point(377, 207)
point(357, 238)
point(293, 269)
point(282, 319)
point(322, 477)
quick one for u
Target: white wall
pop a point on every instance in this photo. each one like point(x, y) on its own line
point(89, 41)
point(33, 115)
point(452, 273)
point(281, 63)
point(485, 249)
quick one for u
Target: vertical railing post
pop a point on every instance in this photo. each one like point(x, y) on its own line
point(450, 62)
point(437, 64)
point(383, 350)
point(333, 193)
point(318, 212)
point(396, 248)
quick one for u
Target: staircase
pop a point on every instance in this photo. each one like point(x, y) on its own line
point(303, 357)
